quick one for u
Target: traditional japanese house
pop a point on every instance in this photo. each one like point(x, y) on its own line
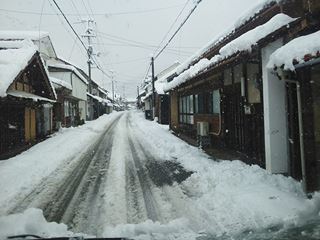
point(26, 97)
point(227, 94)
point(72, 106)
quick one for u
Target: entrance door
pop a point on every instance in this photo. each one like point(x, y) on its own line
point(234, 117)
point(30, 124)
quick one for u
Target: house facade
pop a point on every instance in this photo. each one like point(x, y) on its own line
point(26, 98)
point(230, 91)
point(71, 108)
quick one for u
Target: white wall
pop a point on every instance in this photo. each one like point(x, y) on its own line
point(65, 76)
point(79, 88)
point(83, 109)
point(275, 115)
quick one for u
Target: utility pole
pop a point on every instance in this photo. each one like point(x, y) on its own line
point(153, 91)
point(112, 91)
point(138, 99)
point(89, 34)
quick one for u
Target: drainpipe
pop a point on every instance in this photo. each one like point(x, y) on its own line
point(301, 134)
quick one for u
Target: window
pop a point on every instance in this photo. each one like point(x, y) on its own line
point(66, 108)
point(253, 83)
point(227, 77)
point(204, 103)
point(216, 102)
point(186, 109)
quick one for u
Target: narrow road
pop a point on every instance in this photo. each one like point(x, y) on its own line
point(118, 181)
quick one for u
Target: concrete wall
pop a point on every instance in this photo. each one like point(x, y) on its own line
point(275, 115)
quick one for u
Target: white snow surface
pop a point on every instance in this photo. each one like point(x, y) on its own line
point(243, 43)
point(295, 50)
point(20, 35)
point(221, 198)
point(12, 61)
point(33, 97)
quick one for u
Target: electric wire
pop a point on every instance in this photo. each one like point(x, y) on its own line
point(95, 14)
point(174, 22)
point(179, 28)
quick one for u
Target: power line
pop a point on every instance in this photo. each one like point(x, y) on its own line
point(165, 36)
point(64, 16)
point(79, 38)
point(94, 14)
point(137, 44)
point(176, 32)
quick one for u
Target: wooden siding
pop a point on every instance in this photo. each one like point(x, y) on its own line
point(174, 110)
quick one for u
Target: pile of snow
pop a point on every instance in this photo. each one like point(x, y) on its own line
point(295, 51)
point(229, 197)
point(32, 222)
point(13, 61)
point(243, 43)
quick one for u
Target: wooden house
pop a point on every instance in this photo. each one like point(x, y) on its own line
point(26, 97)
point(71, 107)
point(228, 93)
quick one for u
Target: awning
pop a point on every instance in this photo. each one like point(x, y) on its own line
point(35, 98)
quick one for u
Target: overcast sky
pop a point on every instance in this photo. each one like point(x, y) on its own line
point(128, 31)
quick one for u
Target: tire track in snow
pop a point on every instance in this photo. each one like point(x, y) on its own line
point(56, 192)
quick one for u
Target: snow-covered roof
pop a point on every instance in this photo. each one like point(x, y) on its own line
point(243, 43)
point(61, 83)
point(21, 94)
point(99, 99)
point(32, 35)
point(68, 67)
point(247, 16)
point(295, 51)
point(102, 90)
point(12, 62)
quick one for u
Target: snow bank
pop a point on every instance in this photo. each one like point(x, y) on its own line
point(32, 166)
point(296, 50)
point(241, 44)
point(33, 222)
point(12, 61)
point(229, 197)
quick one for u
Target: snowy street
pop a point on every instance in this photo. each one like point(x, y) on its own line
point(137, 179)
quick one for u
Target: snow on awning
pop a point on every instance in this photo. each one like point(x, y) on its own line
point(99, 99)
point(297, 51)
point(12, 62)
point(241, 44)
point(20, 94)
point(61, 83)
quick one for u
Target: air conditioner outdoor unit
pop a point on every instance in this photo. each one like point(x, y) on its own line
point(202, 129)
